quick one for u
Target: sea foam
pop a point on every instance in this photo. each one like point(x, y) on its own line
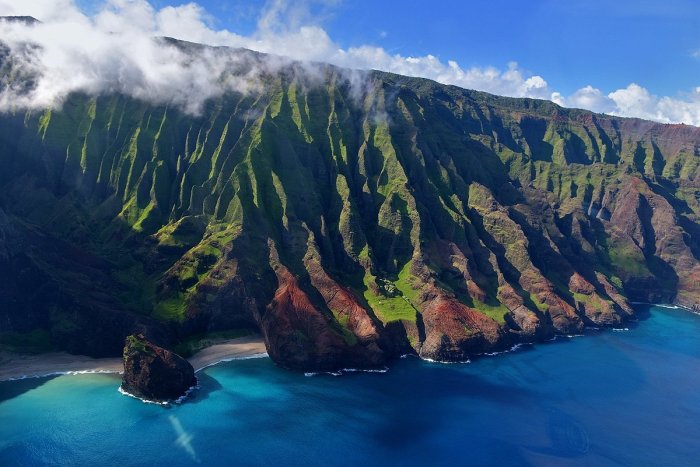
point(179, 400)
point(232, 359)
point(64, 373)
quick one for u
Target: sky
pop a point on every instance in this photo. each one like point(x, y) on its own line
point(636, 58)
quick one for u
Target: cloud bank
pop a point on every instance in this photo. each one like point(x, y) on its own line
point(113, 50)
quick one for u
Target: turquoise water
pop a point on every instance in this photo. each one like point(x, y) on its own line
point(615, 398)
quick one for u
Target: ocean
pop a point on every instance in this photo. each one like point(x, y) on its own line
point(627, 397)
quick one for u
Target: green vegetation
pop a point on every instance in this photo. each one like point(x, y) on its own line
point(135, 343)
point(387, 301)
point(616, 281)
point(181, 235)
point(160, 213)
point(392, 299)
point(583, 298)
point(495, 311)
point(34, 342)
point(628, 259)
point(138, 290)
point(540, 306)
point(594, 300)
point(171, 309)
point(407, 284)
point(347, 334)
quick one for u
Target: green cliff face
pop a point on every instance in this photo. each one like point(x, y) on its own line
point(348, 227)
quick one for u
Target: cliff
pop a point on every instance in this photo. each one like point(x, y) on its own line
point(349, 225)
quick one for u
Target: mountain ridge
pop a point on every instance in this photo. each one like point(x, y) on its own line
point(347, 225)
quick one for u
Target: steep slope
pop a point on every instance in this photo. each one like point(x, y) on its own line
point(348, 224)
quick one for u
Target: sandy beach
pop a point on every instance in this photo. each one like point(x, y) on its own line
point(233, 349)
point(18, 366)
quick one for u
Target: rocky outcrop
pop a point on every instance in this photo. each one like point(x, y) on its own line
point(455, 332)
point(299, 336)
point(154, 373)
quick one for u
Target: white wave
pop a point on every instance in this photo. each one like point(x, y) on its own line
point(620, 329)
point(662, 305)
point(512, 349)
point(360, 370)
point(564, 336)
point(669, 306)
point(444, 362)
point(343, 371)
point(406, 355)
point(189, 391)
point(179, 400)
point(64, 373)
point(317, 373)
point(145, 401)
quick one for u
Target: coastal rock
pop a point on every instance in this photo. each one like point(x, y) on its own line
point(454, 332)
point(298, 335)
point(154, 373)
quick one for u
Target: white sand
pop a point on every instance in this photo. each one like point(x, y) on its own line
point(17, 366)
point(233, 349)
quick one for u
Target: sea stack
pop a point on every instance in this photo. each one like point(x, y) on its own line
point(154, 373)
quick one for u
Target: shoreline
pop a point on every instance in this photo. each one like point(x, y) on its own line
point(15, 367)
point(22, 366)
point(671, 306)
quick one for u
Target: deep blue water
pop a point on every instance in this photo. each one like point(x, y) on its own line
point(614, 398)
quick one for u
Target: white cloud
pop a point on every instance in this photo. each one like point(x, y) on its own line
point(47, 10)
point(636, 101)
point(587, 97)
point(113, 50)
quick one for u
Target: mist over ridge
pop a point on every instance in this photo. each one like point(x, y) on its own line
point(111, 50)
